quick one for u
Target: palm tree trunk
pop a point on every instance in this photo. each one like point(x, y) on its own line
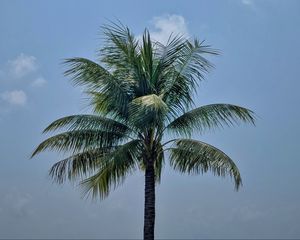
point(149, 211)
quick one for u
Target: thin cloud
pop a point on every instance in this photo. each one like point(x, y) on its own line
point(15, 97)
point(23, 65)
point(248, 213)
point(168, 24)
point(17, 204)
point(247, 2)
point(39, 82)
point(2, 74)
point(250, 4)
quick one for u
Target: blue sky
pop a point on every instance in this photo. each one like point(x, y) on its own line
point(258, 69)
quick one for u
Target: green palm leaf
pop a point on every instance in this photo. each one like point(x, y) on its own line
point(80, 140)
point(96, 78)
point(191, 156)
point(87, 122)
point(112, 169)
point(121, 48)
point(78, 165)
point(121, 54)
point(210, 116)
point(166, 56)
point(146, 51)
point(187, 72)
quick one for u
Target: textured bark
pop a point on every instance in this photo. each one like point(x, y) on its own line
point(149, 211)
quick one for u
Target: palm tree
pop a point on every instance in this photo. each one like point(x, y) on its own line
point(141, 92)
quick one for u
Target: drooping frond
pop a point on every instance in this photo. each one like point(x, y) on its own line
point(80, 140)
point(96, 78)
point(191, 156)
point(210, 116)
point(87, 122)
point(78, 165)
point(113, 169)
point(147, 111)
point(189, 69)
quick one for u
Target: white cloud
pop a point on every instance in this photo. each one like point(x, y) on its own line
point(17, 204)
point(168, 24)
point(248, 213)
point(3, 75)
point(252, 5)
point(39, 82)
point(247, 2)
point(23, 65)
point(15, 97)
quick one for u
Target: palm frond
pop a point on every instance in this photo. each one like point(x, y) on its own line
point(96, 78)
point(146, 51)
point(191, 156)
point(103, 105)
point(121, 47)
point(87, 122)
point(80, 140)
point(192, 64)
point(121, 54)
point(179, 97)
point(189, 69)
point(210, 116)
point(113, 169)
point(78, 165)
point(166, 56)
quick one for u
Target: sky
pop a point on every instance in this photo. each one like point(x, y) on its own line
point(258, 68)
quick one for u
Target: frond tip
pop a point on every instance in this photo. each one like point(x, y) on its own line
point(191, 156)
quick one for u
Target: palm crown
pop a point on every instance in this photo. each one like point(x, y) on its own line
point(140, 92)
